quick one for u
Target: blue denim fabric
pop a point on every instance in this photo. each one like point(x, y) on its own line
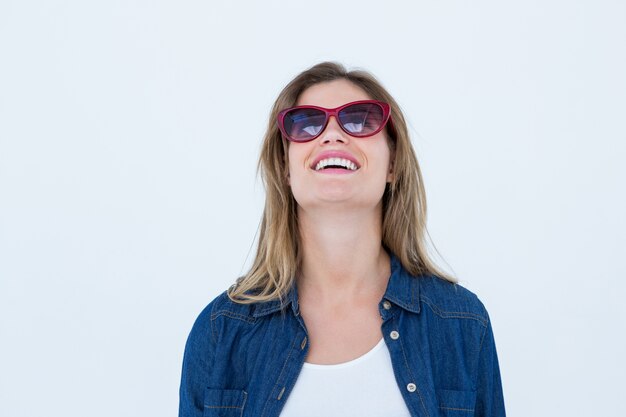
point(243, 360)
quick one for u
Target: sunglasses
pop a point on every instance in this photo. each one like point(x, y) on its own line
point(360, 119)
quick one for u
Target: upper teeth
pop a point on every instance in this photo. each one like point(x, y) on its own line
point(335, 161)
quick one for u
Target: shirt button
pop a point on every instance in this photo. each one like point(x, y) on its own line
point(394, 335)
point(386, 305)
point(411, 387)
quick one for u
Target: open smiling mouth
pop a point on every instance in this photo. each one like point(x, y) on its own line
point(336, 165)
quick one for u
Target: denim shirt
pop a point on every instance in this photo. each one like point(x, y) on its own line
point(244, 359)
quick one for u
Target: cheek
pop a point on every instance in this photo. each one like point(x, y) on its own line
point(294, 164)
point(297, 156)
point(381, 154)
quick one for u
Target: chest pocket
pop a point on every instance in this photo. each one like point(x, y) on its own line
point(224, 402)
point(456, 403)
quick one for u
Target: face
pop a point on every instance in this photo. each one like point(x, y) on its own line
point(363, 187)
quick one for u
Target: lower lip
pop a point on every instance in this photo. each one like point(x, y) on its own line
point(339, 171)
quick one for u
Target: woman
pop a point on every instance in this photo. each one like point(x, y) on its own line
point(342, 313)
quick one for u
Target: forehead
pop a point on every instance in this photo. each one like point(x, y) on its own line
point(331, 94)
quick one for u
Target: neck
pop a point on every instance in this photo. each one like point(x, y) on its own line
point(342, 254)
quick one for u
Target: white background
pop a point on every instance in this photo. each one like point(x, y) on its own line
point(129, 133)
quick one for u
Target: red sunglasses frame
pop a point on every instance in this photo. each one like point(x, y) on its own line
point(335, 112)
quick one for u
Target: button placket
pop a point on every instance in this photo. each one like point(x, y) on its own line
point(288, 374)
point(413, 396)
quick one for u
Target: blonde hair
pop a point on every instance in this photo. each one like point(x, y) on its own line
point(278, 255)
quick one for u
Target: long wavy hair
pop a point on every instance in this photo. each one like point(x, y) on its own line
point(278, 255)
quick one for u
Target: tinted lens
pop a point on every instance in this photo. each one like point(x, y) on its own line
point(362, 119)
point(303, 124)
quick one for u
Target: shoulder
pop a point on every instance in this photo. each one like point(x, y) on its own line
point(223, 306)
point(205, 331)
point(451, 300)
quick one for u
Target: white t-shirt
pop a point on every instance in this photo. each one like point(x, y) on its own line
point(364, 387)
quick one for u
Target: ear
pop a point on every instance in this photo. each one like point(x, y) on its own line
point(286, 170)
point(391, 172)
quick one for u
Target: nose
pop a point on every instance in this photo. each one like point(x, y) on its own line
point(333, 132)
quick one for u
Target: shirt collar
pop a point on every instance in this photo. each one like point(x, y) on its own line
point(402, 289)
point(268, 307)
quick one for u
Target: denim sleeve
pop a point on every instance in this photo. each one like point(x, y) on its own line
point(197, 364)
point(489, 397)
